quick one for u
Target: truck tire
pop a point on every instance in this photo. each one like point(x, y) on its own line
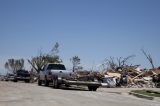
point(89, 88)
point(39, 82)
point(55, 83)
point(46, 82)
point(92, 88)
point(15, 80)
point(27, 81)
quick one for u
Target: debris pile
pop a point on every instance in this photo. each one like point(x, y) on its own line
point(131, 77)
point(85, 76)
point(127, 77)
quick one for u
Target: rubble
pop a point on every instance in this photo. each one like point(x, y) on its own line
point(128, 77)
point(136, 78)
point(85, 76)
point(139, 79)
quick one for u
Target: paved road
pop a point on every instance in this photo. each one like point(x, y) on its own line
point(23, 94)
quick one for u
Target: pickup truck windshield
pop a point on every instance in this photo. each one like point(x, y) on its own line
point(56, 67)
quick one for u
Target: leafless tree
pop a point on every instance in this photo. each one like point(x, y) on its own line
point(14, 64)
point(113, 63)
point(76, 62)
point(149, 57)
point(39, 61)
point(55, 49)
point(123, 61)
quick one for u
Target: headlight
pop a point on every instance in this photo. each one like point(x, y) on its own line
point(59, 78)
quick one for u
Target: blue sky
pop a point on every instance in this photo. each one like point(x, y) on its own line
point(91, 29)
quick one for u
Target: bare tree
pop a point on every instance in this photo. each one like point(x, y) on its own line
point(39, 61)
point(149, 57)
point(124, 61)
point(55, 49)
point(76, 62)
point(14, 65)
point(113, 63)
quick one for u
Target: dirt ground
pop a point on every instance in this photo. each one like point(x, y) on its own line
point(26, 94)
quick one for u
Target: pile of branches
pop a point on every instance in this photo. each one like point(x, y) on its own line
point(85, 76)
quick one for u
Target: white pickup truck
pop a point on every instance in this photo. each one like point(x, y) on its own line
point(58, 75)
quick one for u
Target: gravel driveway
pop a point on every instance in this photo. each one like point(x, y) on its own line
point(26, 94)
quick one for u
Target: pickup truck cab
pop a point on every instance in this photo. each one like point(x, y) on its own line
point(53, 73)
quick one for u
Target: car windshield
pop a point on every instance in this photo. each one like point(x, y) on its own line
point(56, 67)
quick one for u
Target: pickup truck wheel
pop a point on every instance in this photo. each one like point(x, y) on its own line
point(46, 82)
point(56, 84)
point(27, 81)
point(15, 80)
point(53, 81)
point(92, 88)
point(39, 82)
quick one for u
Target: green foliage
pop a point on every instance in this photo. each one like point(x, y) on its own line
point(51, 59)
point(147, 92)
point(14, 65)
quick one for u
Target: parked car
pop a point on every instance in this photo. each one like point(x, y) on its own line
point(156, 80)
point(109, 81)
point(2, 77)
point(22, 75)
point(9, 77)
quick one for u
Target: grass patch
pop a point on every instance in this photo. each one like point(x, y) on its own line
point(147, 92)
